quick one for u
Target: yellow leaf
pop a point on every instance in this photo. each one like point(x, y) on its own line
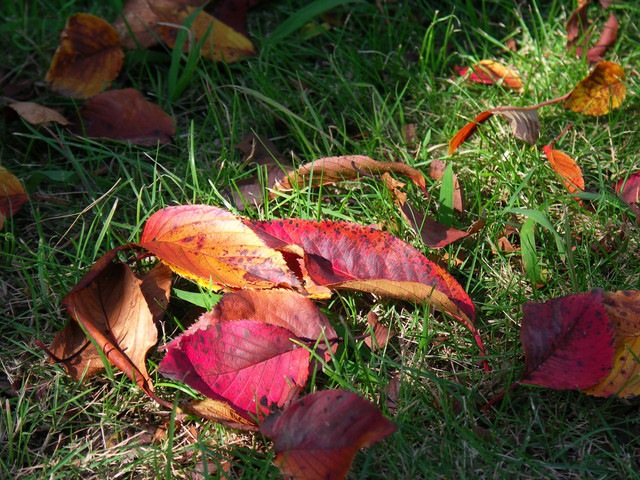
point(602, 91)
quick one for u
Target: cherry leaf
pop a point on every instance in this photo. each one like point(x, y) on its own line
point(465, 132)
point(318, 436)
point(247, 363)
point(566, 167)
point(568, 342)
point(600, 92)
point(12, 195)
point(524, 122)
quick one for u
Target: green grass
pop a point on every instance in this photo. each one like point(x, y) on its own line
point(348, 89)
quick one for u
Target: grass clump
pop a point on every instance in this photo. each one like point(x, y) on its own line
point(322, 90)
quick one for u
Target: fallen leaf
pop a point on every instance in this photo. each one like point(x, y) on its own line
point(88, 59)
point(380, 334)
point(318, 436)
point(433, 234)
point(137, 25)
point(490, 72)
point(579, 31)
point(217, 41)
point(109, 304)
point(607, 39)
point(36, 114)
point(600, 92)
point(214, 248)
point(568, 342)
point(343, 255)
point(437, 170)
point(12, 195)
point(330, 170)
point(465, 132)
point(220, 412)
point(524, 122)
point(566, 167)
point(125, 115)
point(247, 363)
point(628, 189)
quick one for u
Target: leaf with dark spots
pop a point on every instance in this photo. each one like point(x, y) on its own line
point(318, 436)
point(343, 255)
point(214, 248)
point(240, 362)
point(568, 342)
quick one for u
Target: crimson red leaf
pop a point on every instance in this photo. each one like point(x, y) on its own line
point(629, 188)
point(568, 342)
point(240, 362)
point(318, 436)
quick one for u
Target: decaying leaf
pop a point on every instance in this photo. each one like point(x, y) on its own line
point(36, 114)
point(214, 248)
point(330, 170)
point(491, 72)
point(220, 412)
point(568, 342)
point(218, 41)
point(88, 59)
point(600, 92)
point(317, 437)
point(125, 115)
point(116, 309)
point(566, 167)
point(524, 122)
point(12, 195)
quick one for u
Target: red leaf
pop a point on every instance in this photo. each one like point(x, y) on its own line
point(568, 342)
point(239, 362)
point(318, 436)
point(607, 39)
point(628, 189)
point(466, 131)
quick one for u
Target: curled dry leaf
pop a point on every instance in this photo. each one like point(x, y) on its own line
point(318, 436)
point(490, 72)
point(217, 41)
point(125, 115)
point(568, 342)
point(88, 59)
point(329, 170)
point(12, 195)
point(36, 114)
point(600, 92)
point(566, 167)
point(116, 309)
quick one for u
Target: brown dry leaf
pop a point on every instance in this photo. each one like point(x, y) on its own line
point(137, 25)
point(524, 122)
point(12, 195)
point(566, 167)
point(36, 114)
point(220, 42)
point(88, 59)
point(599, 93)
point(381, 334)
point(125, 115)
point(328, 170)
point(109, 304)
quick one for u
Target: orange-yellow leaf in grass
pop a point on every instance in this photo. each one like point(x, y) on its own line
point(125, 115)
point(117, 309)
point(220, 42)
point(12, 195)
point(491, 72)
point(215, 248)
point(88, 59)
point(566, 167)
point(36, 114)
point(623, 310)
point(318, 436)
point(329, 170)
point(600, 92)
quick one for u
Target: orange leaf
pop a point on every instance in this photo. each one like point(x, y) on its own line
point(602, 91)
point(491, 72)
point(465, 132)
point(126, 115)
point(220, 42)
point(215, 249)
point(111, 305)
point(37, 114)
point(329, 170)
point(88, 59)
point(566, 167)
point(12, 195)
